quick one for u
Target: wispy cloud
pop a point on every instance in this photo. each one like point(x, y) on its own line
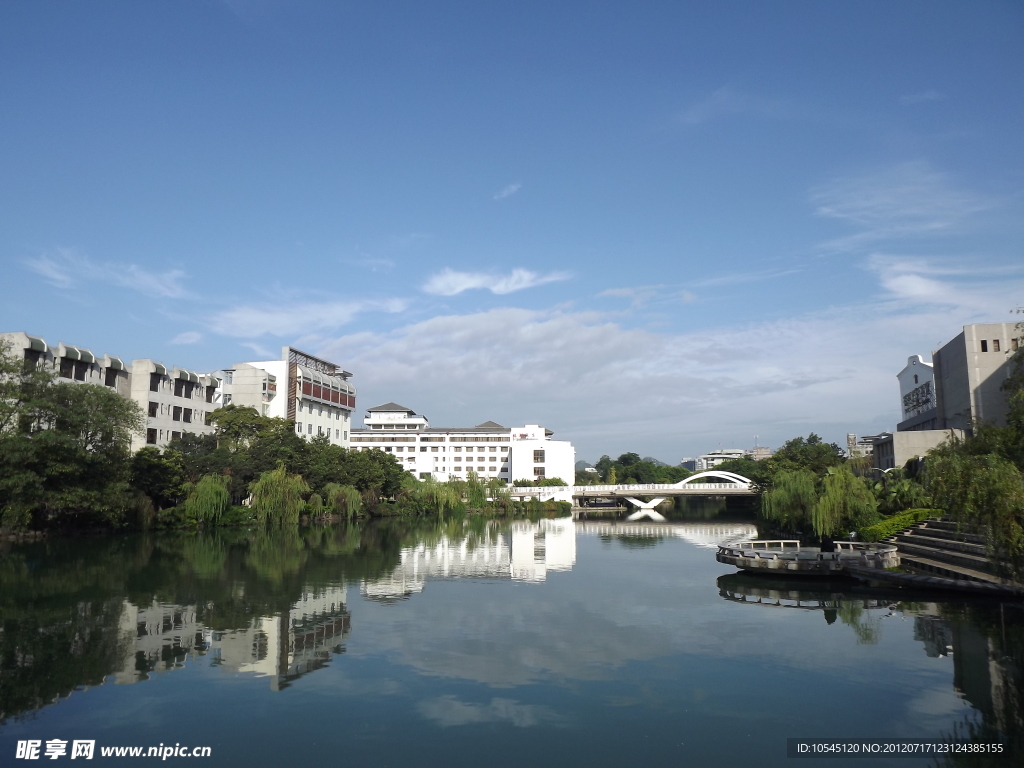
point(450, 282)
point(918, 98)
point(728, 101)
point(65, 268)
point(910, 200)
point(507, 191)
point(188, 337)
point(374, 264)
point(291, 320)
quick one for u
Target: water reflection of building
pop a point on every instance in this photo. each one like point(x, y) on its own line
point(981, 670)
point(524, 552)
point(282, 647)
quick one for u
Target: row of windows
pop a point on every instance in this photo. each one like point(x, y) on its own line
point(397, 426)
point(188, 389)
point(320, 430)
point(319, 410)
point(152, 435)
point(176, 412)
point(1014, 345)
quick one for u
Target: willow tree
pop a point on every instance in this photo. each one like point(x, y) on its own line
point(792, 498)
point(985, 492)
point(208, 500)
point(846, 503)
point(439, 496)
point(476, 491)
point(277, 497)
point(343, 499)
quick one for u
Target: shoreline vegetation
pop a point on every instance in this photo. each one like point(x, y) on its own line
point(66, 465)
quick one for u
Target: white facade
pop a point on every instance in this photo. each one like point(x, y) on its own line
point(312, 392)
point(489, 449)
point(714, 458)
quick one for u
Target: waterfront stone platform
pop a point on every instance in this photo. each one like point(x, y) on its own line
point(787, 555)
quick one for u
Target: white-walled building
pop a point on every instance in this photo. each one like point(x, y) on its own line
point(917, 396)
point(313, 392)
point(489, 449)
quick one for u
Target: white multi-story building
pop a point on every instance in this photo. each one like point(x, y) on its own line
point(917, 395)
point(175, 401)
point(312, 392)
point(489, 449)
point(712, 459)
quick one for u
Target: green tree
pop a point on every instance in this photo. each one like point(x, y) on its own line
point(791, 501)
point(343, 499)
point(208, 500)
point(846, 503)
point(277, 497)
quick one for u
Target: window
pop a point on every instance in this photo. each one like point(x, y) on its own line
point(209, 394)
point(433, 449)
point(995, 345)
point(481, 449)
point(175, 435)
point(915, 378)
point(493, 458)
point(67, 368)
point(319, 430)
point(309, 428)
point(80, 370)
point(458, 458)
point(984, 345)
point(345, 436)
point(337, 434)
point(150, 437)
point(423, 449)
point(538, 457)
point(179, 387)
point(110, 377)
point(186, 415)
point(154, 382)
point(399, 449)
point(457, 449)
point(494, 450)
point(177, 413)
point(298, 427)
point(504, 449)
point(538, 472)
point(424, 475)
point(388, 449)
point(1014, 344)
point(154, 408)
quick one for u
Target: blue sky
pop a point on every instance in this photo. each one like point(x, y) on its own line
point(657, 227)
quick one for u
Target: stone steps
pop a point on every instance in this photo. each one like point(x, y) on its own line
point(941, 529)
point(942, 555)
point(916, 564)
point(923, 537)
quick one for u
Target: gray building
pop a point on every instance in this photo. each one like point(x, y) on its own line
point(969, 371)
point(175, 401)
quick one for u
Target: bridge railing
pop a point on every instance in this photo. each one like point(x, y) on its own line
point(633, 488)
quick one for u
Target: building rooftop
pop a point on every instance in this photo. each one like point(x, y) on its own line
point(390, 408)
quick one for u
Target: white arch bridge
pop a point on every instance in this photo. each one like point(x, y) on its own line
point(644, 496)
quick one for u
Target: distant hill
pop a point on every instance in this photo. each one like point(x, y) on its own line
point(654, 461)
point(581, 465)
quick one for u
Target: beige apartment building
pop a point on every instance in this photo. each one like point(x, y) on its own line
point(969, 372)
point(176, 401)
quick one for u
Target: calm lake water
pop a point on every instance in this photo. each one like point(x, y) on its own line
point(476, 643)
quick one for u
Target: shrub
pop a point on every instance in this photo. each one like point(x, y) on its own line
point(898, 522)
point(277, 497)
point(343, 499)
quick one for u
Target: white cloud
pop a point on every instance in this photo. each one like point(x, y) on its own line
point(910, 200)
point(450, 282)
point(66, 268)
point(188, 337)
point(610, 387)
point(449, 711)
point(507, 191)
point(918, 98)
point(255, 320)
